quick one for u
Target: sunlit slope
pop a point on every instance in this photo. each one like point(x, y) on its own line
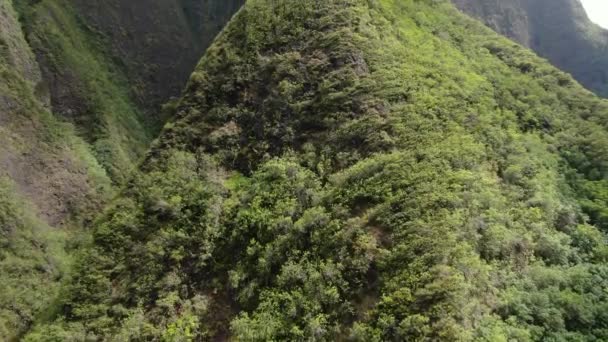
point(372, 170)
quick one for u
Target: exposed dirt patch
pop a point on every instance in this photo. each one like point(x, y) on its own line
point(380, 234)
point(54, 182)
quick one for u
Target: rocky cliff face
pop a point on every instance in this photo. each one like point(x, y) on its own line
point(558, 30)
point(506, 17)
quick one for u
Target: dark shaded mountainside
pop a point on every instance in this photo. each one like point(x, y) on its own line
point(110, 65)
point(386, 170)
point(558, 30)
point(81, 84)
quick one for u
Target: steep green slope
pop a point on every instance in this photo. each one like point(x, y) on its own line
point(558, 30)
point(110, 65)
point(86, 87)
point(33, 263)
point(48, 177)
point(157, 42)
point(372, 170)
point(71, 119)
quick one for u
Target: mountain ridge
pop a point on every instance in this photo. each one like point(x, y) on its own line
point(347, 169)
point(557, 30)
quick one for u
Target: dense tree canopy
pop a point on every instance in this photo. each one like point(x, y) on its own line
point(372, 170)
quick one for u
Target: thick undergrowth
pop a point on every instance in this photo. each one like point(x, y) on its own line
point(366, 170)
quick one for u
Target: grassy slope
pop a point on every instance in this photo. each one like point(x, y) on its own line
point(379, 170)
point(52, 180)
point(48, 177)
point(87, 88)
point(33, 263)
point(109, 66)
point(157, 43)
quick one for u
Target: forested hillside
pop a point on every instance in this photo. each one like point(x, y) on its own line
point(558, 30)
point(73, 127)
point(384, 170)
point(109, 65)
point(47, 177)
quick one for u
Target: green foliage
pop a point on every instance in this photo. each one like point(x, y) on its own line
point(89, 90)
point(32, 264)
point(366, 170)
point(557, 30)
point(41, 160)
